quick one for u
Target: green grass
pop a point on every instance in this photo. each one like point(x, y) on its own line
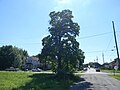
point(48, 71)
point(116, 76)
point(34, 81)
point(80, 71)
point(111, 71)
point(10, 80)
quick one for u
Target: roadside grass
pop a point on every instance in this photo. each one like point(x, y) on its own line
point(117, 76)
point(110, 71)
point(34, 81)
point(48, 71)
point(80, 71)
point(10, 80)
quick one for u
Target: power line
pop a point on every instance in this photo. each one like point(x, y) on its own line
point(108, 45)
point(96, 51)
point(20, 43)
point(77, 38)
point(94, 35)
point(112, 54)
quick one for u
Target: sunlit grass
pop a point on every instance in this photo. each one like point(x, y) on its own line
point(111, 71)
point(10, 80)
point(34, 81)
point(117, 76)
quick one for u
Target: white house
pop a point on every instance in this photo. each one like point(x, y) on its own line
point(32, 63)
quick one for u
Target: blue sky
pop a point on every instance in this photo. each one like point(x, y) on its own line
point(23, 23)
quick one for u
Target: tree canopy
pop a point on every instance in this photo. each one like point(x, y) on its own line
point(61, 48)
point(12, 57)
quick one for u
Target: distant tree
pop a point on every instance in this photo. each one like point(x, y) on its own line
point(60, 48)
point(12, 57)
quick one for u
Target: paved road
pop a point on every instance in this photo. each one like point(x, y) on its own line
point(92, 80)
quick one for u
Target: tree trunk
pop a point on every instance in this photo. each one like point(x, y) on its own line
point(59, 68)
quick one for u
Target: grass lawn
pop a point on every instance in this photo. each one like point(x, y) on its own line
point(33, 81)
point(116, 76)
point(111, 71)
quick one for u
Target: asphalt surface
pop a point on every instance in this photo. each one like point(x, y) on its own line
point(92, 80)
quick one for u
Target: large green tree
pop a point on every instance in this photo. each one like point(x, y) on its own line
point(12, 57)
point(60, 48)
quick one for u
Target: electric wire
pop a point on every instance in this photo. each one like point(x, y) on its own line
point(108, 45)
point(94, 35)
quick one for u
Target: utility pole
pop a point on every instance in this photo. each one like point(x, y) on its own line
point(103, 58)
point(97, 59)
point(118, 60)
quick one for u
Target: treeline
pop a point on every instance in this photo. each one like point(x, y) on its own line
point(11, 56)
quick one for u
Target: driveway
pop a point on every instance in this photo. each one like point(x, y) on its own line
point(92, 80)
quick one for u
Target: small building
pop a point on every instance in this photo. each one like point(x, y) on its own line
point(32, 63)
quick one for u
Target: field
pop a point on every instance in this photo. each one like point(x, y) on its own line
point(33, 81)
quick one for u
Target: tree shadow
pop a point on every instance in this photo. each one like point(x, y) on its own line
point(43, 81)
point(38, 82)
point(82, 85)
